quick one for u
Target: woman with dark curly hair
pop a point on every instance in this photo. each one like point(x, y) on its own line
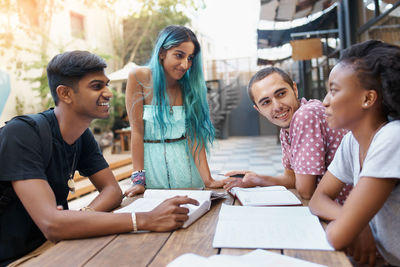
point(364, 97)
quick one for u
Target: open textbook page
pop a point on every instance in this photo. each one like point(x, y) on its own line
point(269, 228)
point(265, 196)
point(153, 197)
point(256, 258)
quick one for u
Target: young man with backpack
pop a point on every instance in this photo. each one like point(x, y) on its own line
point(38, 158)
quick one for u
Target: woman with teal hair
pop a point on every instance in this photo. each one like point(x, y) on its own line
point(169, 116)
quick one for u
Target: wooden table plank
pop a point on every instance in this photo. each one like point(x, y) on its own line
point(130, 250)
point(71, 252)
point(197, 238)
point(331, 258)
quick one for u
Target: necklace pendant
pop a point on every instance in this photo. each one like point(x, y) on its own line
point(171, 111)
point(71, 185)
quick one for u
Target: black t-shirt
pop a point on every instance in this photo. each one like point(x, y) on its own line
point(21, 158)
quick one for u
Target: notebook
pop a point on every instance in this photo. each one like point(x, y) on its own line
point(265, 196)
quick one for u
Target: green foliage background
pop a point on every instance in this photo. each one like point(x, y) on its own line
point(141, 29)
point(140, 32)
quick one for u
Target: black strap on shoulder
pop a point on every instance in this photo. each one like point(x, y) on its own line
point(40, 123)
point(7, 194)
point(45, 136)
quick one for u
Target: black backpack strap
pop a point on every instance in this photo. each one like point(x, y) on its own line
point(7, 194)
point(44, 129)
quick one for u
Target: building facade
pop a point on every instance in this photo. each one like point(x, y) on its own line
point(32, 32)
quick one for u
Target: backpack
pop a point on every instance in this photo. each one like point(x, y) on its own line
point(40, 123)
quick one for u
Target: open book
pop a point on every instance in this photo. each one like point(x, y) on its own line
point(153, 197)
point(265, 196)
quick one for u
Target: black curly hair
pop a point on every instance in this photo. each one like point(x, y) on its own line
point(378, 68)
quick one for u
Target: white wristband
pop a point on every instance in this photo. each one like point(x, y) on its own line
point(134, 222)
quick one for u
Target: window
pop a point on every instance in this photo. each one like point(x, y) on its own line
point(29, 12)
point(77, 25)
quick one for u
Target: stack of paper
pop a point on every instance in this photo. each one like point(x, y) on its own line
point(256, 258)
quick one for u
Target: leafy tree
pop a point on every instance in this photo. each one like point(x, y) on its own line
point(141, 28)
point(140, 31)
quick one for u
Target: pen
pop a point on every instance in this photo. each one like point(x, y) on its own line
point(239, 175)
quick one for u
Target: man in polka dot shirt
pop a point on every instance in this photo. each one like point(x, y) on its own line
point(308, 144)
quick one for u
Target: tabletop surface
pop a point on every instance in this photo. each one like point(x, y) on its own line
point(159, 249)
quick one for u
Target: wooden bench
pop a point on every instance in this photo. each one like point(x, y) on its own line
point(121, 168)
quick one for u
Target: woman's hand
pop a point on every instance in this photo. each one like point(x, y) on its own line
point(214, 183)
point(134, 190)
point(250, 179)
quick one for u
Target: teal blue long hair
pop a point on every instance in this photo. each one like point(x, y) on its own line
point(198, 124)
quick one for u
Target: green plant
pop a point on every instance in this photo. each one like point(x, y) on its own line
point(19, 106)
point(141, 28)
point(39, 81)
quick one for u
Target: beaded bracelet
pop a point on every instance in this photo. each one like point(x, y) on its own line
point(139, 177)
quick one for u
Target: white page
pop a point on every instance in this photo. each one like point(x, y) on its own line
point(160, 193)
point(147, 204)
point(141, 205)
point(269, 227)
point(256, 258)
point(234, 190)
point(267, 198)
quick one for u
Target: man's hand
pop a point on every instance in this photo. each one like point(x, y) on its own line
point(134, 190)
point(167, 216)
point(231, 173)
point(363, 248)
point(250, 179)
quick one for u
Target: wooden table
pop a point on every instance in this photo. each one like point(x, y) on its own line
point(159, 249)
point(124, 134)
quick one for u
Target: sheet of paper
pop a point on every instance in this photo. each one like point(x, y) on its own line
point(270, 228)
point(267, 198)
point(160, 193)
point(147, 204)
point(258, 189)
point(256, 258)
